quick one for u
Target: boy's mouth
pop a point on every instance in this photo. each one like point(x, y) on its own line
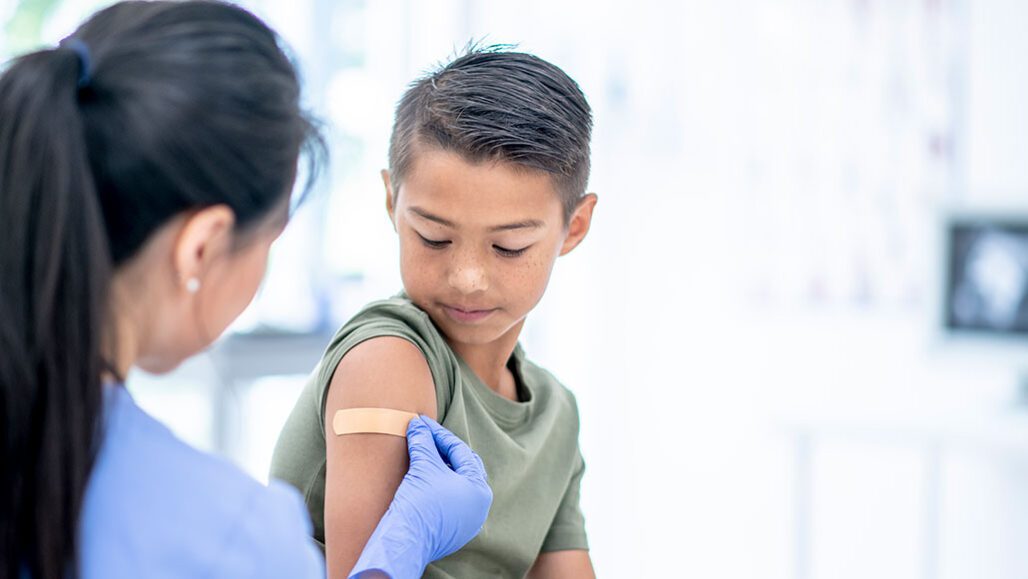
point(466, 315)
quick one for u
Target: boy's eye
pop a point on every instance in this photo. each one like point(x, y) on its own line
point(432, 243)
point(509, 252)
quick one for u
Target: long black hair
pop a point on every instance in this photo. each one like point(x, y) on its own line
point(150, 110)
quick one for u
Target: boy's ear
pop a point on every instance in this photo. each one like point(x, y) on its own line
point(390, 207)
point(578, 225)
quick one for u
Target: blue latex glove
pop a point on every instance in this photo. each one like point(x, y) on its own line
point(436, 510)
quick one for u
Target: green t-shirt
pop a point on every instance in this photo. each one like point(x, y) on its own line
point(530, 448)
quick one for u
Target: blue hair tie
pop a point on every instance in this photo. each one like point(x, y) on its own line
point(85, 59)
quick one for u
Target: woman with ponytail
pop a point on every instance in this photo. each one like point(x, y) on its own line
point(146, 165)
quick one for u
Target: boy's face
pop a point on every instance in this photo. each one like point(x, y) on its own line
point(478, 241)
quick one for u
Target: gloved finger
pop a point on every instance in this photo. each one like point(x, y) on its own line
point(464, 460)
point(420, 443)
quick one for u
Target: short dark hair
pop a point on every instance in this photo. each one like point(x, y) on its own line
point(493, 104)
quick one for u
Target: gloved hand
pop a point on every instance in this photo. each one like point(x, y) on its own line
point(435, 511)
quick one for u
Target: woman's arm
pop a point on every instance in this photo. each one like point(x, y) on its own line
point(363, 471)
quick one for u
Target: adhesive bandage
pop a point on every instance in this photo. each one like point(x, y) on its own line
point(371, 420)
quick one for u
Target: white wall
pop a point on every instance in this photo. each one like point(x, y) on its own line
point(998, 92)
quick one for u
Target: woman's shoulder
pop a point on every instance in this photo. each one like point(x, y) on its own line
point(156, 506)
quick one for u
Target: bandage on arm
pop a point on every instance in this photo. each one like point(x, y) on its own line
point(362, 470)
point(371, 421)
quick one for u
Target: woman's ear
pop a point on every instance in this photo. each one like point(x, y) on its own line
point(204, 236)
point(578, 225)
point(390, 205)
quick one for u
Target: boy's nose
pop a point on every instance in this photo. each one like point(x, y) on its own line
point(469, 279)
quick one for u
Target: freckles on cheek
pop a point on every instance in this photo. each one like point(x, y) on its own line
point(415, 266)
point(533, 272)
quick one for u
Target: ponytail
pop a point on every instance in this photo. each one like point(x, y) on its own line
point(54, 276)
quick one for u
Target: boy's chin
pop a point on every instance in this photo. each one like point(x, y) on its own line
point(456, 334)
point(471, 334)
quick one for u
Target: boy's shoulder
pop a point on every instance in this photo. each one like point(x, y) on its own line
point(396, 315)
point(398, 306)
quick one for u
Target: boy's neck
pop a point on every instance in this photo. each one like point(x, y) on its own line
point(489, 361)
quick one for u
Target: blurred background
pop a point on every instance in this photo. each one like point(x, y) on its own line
point(797, 330)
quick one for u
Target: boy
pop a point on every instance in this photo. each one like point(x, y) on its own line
point(488, 164)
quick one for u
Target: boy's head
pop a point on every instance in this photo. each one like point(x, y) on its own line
point(486, 188)
point(493, 105)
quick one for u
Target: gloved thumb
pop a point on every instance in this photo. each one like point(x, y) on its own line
point(420, 444)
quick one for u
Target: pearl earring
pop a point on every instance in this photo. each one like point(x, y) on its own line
point(192, 285)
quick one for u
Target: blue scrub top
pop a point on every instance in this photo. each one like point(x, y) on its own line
point(156, 507)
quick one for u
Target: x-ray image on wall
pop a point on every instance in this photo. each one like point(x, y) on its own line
point(988, 278)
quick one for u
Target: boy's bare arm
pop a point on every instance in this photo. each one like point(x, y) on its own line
point(571, 564)
point(363, 471)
